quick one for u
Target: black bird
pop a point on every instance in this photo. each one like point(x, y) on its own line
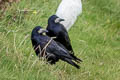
point(55, 29)
point(53, 50)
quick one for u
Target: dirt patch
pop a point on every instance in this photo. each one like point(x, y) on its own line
point(5, 3)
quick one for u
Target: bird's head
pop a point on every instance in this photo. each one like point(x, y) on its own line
point(55, 19)
point(39, 30)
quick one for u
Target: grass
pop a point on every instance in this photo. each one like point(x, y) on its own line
point(95, 39)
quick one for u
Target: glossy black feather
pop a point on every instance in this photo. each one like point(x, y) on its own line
point(54, 50)
point(75, 58)
point(58, 30)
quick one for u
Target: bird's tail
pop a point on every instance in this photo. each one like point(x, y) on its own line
point(75, 58)
point(71, 62)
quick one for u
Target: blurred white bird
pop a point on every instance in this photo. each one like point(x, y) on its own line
point(69, 10)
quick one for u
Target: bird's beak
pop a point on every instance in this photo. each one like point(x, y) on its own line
point(61, 20)
point(45, 30)
point(42, 31)
point(57, 20)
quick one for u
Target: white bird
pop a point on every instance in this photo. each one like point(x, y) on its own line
point(69, 10)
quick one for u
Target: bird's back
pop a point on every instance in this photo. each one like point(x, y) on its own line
point(55, 30)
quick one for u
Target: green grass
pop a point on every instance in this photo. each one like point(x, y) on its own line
point(95, 39)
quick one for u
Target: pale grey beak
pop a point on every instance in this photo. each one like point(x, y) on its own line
point(57, 20)
point(42, 31)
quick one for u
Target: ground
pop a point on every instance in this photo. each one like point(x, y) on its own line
point(95, 38)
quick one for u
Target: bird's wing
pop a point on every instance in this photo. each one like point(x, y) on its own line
point(57, 50)
point(75, 58)
point(68, 43)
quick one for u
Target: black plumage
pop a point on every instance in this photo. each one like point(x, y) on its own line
point(55, 29)
point(53, 51)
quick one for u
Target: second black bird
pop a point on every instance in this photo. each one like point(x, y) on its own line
point(55, 29)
